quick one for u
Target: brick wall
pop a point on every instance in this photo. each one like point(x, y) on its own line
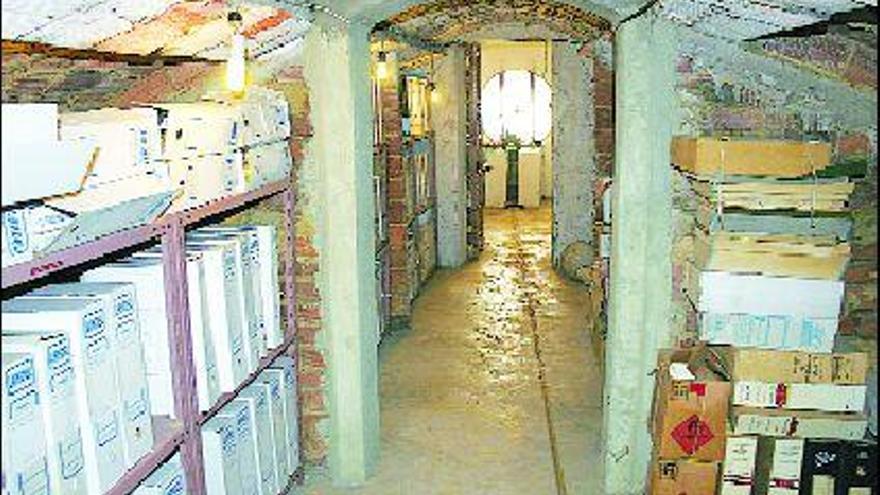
point(399, 210)
point(603, 108)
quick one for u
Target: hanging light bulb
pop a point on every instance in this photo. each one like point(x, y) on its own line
point(235, 65)
point(382, 67)
point(433, 93)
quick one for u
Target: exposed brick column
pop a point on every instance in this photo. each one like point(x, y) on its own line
point(399, 210)
point(309, 319)
point(603, 108)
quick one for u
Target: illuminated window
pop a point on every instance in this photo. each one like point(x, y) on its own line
point(516, 103)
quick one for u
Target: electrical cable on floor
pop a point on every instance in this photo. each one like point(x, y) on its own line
point(558, 470)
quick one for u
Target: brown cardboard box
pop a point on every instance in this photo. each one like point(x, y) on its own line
point(703, 156)
point(683, 477)
point(689, 414)
point(763, 365)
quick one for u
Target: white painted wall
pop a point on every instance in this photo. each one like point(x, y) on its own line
point(530, 171)
point(498, 56)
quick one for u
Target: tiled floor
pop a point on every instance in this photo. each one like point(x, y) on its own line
point(464, 405)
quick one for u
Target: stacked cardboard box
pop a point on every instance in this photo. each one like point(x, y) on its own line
point(689, 424)
point(770, 249)
point(770, 245)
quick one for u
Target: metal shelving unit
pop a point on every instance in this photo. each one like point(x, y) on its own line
point(183, 434)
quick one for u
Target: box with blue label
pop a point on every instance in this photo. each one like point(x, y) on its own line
point(55, 383)
point(92, 354)
point(257, 396)
point(220, 454)
point(223, 304)
point(199, 129)
point(206, 178)
point(264, 249)
point(769, 331)
point(168, 479)
point(128, 142)
point(147, 276)
point(28, 230)
point(273, 381)
point(259, 243)
point(24, 467)
point(120, 304)
point(289, 391)
point(248, 285)
point(204, 354)
point(240, 413)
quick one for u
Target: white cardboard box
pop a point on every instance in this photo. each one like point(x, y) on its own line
point(248, 282)
point(241, 413)
point(220, 453)
point(801, 424)
point(287, 366)
point(168, 479)
point(121, 304)
point(29, 230)
point(784, 474)
point(814, 396)
point(273, 380)
point(200, 129)
point(86, 325)
point(128, 142)
point(24, 441)
point(206, 178)
point(204, 354)
point(264, 250)
point(780, 331)
point(738, 474)
point(111, 208)
point(36, 164)
point(148, 278)
point(222, 299)
point(723, 292)
point(267, 163)
point(55, 377)
point(257, 396)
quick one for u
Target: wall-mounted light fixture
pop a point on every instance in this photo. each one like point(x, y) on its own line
point(235, 64)
point(382, 66)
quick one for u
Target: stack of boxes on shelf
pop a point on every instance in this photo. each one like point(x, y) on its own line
point(251, 445)
point(87, 365)
point(765, 276)
point(126, 167)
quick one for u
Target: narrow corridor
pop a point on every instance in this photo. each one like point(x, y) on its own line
point(465, 394)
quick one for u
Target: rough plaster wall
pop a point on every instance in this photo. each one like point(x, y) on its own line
point(573, 148)
point(450, 145)
point(640, 278)
point(337, 71)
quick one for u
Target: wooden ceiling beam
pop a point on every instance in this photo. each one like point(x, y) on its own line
point(10, 47)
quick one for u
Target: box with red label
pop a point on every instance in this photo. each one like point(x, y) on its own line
point(738, 474)
point(690, 408)
point(683, 477)
point(778, 470)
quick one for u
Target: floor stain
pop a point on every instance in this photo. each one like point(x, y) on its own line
point(463, 407)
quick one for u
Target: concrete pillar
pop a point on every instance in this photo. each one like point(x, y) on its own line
point(641, 276)
point(337, 71)
point(573, 160)
point(449, 114)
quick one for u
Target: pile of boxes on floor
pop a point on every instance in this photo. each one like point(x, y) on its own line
point(87, 367)
point(70, 178)
point(763, 405)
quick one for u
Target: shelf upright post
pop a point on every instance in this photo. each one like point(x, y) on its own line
point(183, 373)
